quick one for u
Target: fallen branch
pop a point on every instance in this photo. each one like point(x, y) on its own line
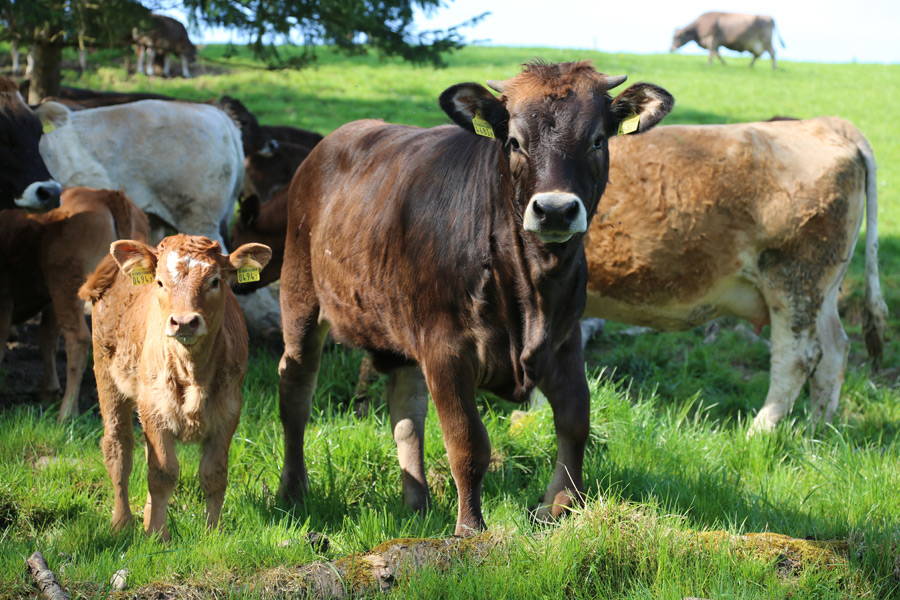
point(44, 578)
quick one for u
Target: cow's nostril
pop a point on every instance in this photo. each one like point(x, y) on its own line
point(538, 209)
point(42, 193)
point(571, 211)
point(173, 322)
point(194, 323)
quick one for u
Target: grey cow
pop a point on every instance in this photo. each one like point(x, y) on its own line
point(735, 31)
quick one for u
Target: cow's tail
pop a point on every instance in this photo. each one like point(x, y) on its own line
point(100, 280)
point(780, 39)
point(120, 207)
point(875, 311)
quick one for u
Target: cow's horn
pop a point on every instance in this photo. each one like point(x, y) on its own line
point(614, 80)
point(496, 85)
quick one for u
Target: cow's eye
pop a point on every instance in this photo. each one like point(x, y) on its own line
point(513, 143)
point(214, 283)
point(598, 143)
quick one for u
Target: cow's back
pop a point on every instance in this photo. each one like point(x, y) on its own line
point(388, 226)
point(706, 202)
point(180, 161)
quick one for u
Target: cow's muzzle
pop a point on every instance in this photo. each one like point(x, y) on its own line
point(555, 216)
point(40, 196)
point(186, 328)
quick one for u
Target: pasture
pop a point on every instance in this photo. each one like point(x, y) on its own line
point(668, 454)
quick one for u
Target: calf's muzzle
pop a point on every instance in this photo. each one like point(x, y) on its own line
point(186, 328)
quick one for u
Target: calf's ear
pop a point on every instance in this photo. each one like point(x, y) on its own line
point(638, 108)
point(464, 102)
point(132, 255)
point(250, 255)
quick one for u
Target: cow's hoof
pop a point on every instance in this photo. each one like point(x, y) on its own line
point(563, 503)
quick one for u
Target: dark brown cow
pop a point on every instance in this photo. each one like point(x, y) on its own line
point(81, 98)
point(266, 223)
point(293, 135)
point(259, 138)
point(265, 173)
point(463, 254)
point(44, 258)
point(735, 31)
point(24, 178)
point(164, 36)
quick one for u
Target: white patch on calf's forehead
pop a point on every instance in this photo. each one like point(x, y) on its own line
point(174, 260)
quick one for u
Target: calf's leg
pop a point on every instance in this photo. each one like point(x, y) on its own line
point(162, 475)
point(451, 383)
point(567, 390)
point(214, 470)
point(48, 342)
point(117, 443)
point(407, 397)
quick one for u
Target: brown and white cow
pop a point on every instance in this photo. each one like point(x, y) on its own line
point(166, 36)
point(461, 253)
point(755, 220)
point(44, 258)
point(24, 179)
point(735, 31)
point(169, 341)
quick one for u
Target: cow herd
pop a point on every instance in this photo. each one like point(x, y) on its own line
point(460, 257)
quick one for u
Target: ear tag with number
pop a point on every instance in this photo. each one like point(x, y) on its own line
point(48, 126)
point(630, 124)
point(141, 276)
point(482, 127)
point(247, 274)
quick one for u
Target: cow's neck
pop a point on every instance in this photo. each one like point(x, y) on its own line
point(548, 284)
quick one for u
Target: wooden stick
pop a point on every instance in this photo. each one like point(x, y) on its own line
point(44, 578)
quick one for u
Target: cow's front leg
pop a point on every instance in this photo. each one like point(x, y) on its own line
point(452, 386)
point(407, 397)
point(214, 467)
point(185, 71)
point(162, 475)
point(567, 390)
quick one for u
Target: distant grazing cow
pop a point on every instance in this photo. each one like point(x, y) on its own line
point(743, 33)
point(24, 179)
point(44, 258)
point(165, 36)
point(757, 221)
point(170, 342)
point(461, 253)
point(180, 162)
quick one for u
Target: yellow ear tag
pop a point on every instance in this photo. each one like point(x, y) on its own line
point(48, 126)
point(141, 276)
point(247, 274)
point(630, 124)
point(482, 127)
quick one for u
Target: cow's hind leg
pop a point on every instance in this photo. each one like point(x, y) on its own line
point(452, 387)
point(828, 378)
point(407, 397)
point(795, 354)
point(48, 342)
point(69, 310)
point(567, 390)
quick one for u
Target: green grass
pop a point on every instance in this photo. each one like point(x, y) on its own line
point(669, 412)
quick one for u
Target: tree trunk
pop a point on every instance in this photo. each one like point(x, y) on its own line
point(46, 74)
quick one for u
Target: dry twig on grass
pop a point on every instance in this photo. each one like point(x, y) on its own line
point(44, 578)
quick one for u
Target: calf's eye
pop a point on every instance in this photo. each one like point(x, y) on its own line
point(598, 143)
point(513, 143)
point(214, 283)
point(159, 283)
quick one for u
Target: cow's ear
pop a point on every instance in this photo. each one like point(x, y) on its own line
point(638, 108)
point(465, 102)
point(248, 260)
point(52, 115)
point(135, 259)
point(249, 210)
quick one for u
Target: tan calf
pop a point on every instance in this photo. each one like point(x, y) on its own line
point(170, 342)
point(44, 258)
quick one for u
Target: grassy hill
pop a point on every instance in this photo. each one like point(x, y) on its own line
point(668, 452)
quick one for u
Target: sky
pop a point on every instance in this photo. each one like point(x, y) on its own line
point(820, 31)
